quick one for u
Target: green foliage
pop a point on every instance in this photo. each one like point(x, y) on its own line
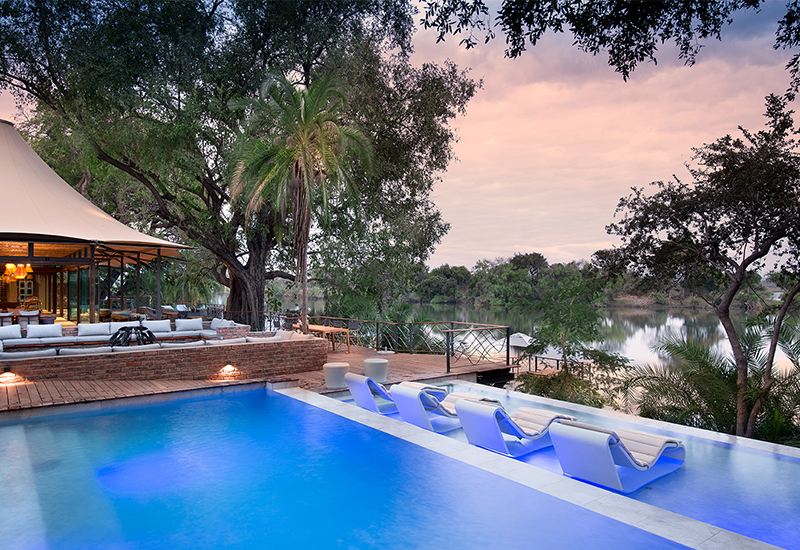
point(699, 387)
point(444, 284)
point(377, 242)
point(561, 386)
point(568, 321)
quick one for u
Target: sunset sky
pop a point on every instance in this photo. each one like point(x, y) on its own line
point(556, 137)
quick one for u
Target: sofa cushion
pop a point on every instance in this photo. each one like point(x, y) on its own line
point(116, 325)
point(228, 341)
point(208, 334)
point(12, 331)
point(21, 341)
point(298, 336)
point(158, 326)
point(285, 334)
point(182, 325)
point(84, 351)
point(28, 354)
point(44, 331)
point(260, 339)
point(94, 329)
point(56, 340)
point(95, 338)
point(144, 347)
point(191, 344)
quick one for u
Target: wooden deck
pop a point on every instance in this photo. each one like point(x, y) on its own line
point(20, 397)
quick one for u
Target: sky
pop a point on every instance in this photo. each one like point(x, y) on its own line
point(555, 137)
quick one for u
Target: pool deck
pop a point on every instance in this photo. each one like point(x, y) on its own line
point(22, 398)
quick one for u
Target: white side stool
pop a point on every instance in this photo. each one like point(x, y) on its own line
point(334, 375)
point(376, 368)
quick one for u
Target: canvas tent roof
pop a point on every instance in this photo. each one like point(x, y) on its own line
point(42, 208)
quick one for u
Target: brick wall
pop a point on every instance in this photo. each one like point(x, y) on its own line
point(251, 360)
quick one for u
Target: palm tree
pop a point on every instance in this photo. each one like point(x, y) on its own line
point(300, 153)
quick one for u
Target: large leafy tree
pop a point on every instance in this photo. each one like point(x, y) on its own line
point(379, 239)
point(134, 95)
point(300, 153)
point(742, 205)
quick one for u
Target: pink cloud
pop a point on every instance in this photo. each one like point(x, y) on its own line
point(556, 137)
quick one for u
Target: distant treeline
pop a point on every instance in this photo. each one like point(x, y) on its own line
point(517, 282)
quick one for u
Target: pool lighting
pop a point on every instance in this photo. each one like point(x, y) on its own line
point(8, 378)
point(229, 372)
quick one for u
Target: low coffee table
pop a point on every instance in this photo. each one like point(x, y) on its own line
point(125, 336)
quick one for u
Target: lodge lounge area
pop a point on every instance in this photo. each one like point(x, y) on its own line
point(60, 251)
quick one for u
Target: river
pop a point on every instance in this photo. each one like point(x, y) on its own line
point(630, 332)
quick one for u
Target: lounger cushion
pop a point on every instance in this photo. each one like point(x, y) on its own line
point(285, 334)
point(94, 329)
point(643, 447)
point(44, 331)
point(298, 336)
point(9, 332)
point(157, 326)
point(242, 340)
point(85, 351)
point(182, 325)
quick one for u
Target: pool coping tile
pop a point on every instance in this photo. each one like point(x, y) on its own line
point(675, 527)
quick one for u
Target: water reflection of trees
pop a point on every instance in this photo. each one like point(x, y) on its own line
point(622, 329)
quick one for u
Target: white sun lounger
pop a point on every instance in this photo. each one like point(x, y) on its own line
point(369, 395)
point(521, 432)
point(622, 460)
point(421, 407)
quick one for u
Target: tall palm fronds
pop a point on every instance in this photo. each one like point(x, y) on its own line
point(301, 150)
point(699, 386)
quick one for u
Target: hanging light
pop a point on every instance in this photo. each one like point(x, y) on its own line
point(9, 270)
point(28, 268)
point(20, 272)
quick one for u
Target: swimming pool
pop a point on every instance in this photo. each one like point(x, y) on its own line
point(742, 488)
point(258, 469)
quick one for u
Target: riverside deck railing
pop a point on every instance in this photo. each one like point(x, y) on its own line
point(456, 340)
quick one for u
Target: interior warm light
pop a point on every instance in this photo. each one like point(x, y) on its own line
point(28, 268)
point(20, 273)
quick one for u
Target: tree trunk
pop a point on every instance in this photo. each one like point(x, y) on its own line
point(724, 314)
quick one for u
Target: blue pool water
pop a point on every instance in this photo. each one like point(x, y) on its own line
point(748, 491)
point(260, 470)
